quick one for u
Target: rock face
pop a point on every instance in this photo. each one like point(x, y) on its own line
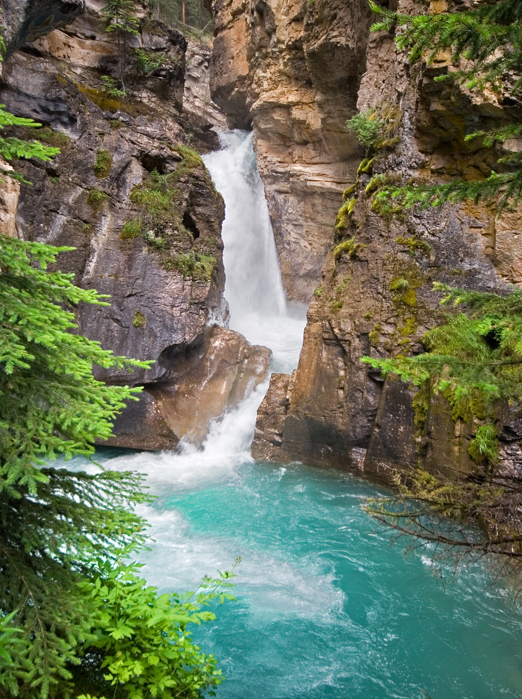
point(375, 297)
point(137, 204)
point(26, 20)
point(203, 378)
point(291, 71)
point(203, 116)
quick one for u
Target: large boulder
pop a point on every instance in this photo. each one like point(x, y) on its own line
point(205, 378)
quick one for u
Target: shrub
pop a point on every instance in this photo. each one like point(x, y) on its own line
point(102, 166)
point(195, 265)
point(367, 127)
point(96, 197)
point(131, 229)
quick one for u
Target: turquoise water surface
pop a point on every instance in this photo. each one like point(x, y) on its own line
point(329, 605)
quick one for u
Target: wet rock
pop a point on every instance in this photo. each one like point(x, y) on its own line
point(162, 270)
point(203, 379)
point(377, 300)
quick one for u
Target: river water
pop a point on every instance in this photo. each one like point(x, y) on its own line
point(328, 605)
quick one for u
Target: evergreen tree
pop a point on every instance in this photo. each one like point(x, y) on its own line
point(120, 17)
point(487, 41)
point(474, 360)
point(52, 521)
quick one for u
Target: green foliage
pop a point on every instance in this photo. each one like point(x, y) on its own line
point(120, 16)
point(11, 147)
point(507, 185)
point(146, 648)
point(148, 61)
point(8, 641)
point(52, 521)
point(51, 403)
point(375, 127)
point(96, 197)
point(139, 320)
point(131, 229)
point(110, 87)
point(319, 292)
point(486, 44)
point(195, 265)
point(474, 360)
point(347, 246)
point(102, 166)
point(367, 127)
point(489, 37)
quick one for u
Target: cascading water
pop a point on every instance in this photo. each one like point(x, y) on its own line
point(254, 290)
point(326, 608)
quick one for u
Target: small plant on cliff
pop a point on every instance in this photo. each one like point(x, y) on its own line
point(148, 61)
point(195, 265)
point(139, 320)
point(131, 229)
point(120, 17)
point(96, 197)
point(367, 127)
point(110, 87)
point(102, 166)
point(486, 48)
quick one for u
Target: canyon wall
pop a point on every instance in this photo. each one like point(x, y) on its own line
point(296, 72)
point(291, 71)
point(136, 203)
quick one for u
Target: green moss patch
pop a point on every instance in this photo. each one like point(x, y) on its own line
point(96, 197)
point(102, 166)
point(349, 247)
point(139, 320)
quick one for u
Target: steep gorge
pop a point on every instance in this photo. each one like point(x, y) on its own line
point(135, 200)
point(137, 204)
point(297, 72)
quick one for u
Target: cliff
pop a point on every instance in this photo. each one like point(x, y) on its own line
point(296, 72)
point(137, 204)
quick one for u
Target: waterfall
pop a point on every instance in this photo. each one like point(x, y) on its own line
point(326, 608)
point(253, 289)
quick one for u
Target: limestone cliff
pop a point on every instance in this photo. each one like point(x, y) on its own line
point(295, 72)
point(137, 204)
point(291, 71)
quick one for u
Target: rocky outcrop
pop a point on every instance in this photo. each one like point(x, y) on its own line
point(137, 204)
point(203, 379)
point(9, 194)
point(26, 20)
point(291, 72)
point(375, 297)
point(203, 117)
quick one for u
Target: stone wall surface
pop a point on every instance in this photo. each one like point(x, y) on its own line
point(158, 257)
point(376, 298)
point(291, 71)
